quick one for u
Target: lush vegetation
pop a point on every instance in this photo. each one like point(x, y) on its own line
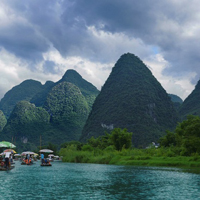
point(3, 120)
point(24, 124)
point(107, 150)
point(68, 109)
point(131, 98)
point(88, 90)
point(186, 138)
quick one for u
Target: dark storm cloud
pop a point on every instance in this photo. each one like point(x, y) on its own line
point(64, 25)
point(160, 23)
point(23, 42)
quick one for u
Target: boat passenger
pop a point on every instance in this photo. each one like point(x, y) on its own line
point(42, 158)
point(46, 161)
point(7, 160)
point(28, 157)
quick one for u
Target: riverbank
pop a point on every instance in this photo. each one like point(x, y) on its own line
point(136, 157)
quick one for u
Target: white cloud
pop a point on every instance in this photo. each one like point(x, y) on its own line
point(94, 72)
point(180, 86)
point(14, 71)
point(65, 34)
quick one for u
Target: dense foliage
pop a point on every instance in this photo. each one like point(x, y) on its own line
point(88, 90)
point(24, 124)
point(3, 120)
point(131, 98)
point(185, 138)
point(118, 139)
point(102, 150)
point(68, 109)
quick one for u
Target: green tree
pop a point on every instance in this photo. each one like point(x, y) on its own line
point(101, 142)
point(186, 136)
point(77, 144)
point(168, 140)
point(121, 138)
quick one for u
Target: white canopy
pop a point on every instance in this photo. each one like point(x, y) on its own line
point(46, 151)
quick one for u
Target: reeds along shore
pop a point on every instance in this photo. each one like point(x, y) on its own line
point(168, 157)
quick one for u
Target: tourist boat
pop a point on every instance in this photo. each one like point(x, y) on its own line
point(24, 162)
point(46, 161)
point(51, 157)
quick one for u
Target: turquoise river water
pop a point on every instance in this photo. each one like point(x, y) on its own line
point(94, 181)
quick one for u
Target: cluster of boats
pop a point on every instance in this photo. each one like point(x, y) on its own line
point(27, 158)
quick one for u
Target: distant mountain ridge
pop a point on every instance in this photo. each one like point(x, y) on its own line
point(65, 105)
point(131, 98)
point(73, 108)
point(24, 91)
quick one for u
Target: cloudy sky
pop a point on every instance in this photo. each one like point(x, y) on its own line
point(41, 39)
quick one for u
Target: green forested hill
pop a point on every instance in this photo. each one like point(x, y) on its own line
point(61, 119)
point(191, 105)
point(131, 98)
point(88, 90)
point(66, 104)
point(34, 92)
point(68, 109)
point(25, 125)
point(24, 91)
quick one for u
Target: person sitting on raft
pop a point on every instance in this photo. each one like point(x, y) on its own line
point(42, 158)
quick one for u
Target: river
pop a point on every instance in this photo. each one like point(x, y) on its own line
point(95, 181)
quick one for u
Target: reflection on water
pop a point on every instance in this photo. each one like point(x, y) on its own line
point(93, 181)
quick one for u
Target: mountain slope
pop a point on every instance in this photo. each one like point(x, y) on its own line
point(25, 125)
point(3, 120)
point(177, 101)
point(68, 109)
point(24, 91)
point(39, 98)
point(62, 118)
point(131, 98)
point(191, 105)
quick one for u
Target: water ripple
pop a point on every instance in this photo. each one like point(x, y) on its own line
point(93, 181)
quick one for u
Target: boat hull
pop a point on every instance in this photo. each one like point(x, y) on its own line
point(45, 165)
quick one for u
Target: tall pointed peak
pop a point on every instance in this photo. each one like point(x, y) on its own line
point(72, 74)
point(74, 77)
point(131, 98)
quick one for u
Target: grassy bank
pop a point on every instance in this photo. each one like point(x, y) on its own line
point(138, 157)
